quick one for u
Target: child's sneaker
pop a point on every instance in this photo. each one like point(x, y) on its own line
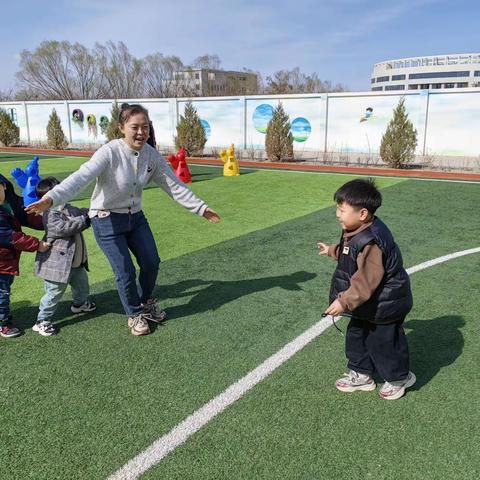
point(88, 306)
point(153, 312)
point(44, 328)
point(138, 325)
point(9, 331)
point(395, 390)
point(353, 381)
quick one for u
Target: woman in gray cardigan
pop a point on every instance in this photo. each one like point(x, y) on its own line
point(121, 169)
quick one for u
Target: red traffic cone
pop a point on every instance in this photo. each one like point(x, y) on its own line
point(173, 161)
point(182, 171)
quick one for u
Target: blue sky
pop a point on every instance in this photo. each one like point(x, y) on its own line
point(340, 39)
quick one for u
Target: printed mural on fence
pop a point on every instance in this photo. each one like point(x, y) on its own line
point(355, 123)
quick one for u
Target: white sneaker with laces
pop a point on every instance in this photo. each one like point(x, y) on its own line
point(395, 390)
point(353, 381)
point(44, 328)
point(138, 325)
point(87, 306)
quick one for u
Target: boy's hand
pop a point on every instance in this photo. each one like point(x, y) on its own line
point(322, 248)
point(43, 246)
point(211, 215)
point(334, 309)
point(39, 206)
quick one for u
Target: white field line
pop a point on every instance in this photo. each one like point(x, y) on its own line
point(179, 434)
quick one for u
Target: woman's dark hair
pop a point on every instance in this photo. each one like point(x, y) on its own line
point(151, 136)
point(360, 193)
point(45, 185)
point(127, 111)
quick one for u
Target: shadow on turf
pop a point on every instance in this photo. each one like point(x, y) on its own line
point(434, 344)
point(212, 294)
point(212, 175)
point(206, 295)
point(25, 313)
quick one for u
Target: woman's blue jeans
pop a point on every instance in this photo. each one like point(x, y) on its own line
point(118, 234)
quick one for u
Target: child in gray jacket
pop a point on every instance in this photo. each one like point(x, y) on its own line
point(65, 263)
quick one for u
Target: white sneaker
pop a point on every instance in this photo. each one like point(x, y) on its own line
point(395, 390)
point(138, 325)
point(45, 328)
point(88, 306)
point(353, 381)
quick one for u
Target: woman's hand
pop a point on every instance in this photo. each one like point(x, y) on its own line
point(39, 206)
point(211, 215)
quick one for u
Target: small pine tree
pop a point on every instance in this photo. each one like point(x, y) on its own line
point(279, 139)
point(113, 130)
point(55, 136)
point(400, 139)
point(9, 132)
point(190, 132)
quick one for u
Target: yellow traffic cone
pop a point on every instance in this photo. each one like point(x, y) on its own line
point(230, 163)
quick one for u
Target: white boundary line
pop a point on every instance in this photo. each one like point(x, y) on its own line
point(179, 434)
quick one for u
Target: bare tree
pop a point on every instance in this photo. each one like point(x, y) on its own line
point(120, 73)
point(58, 70)
point(7, 95)
point(65, 71)
point(45, 70)
point(161, 77)
point(207, 61)
point(87, 72)
point(294, 81)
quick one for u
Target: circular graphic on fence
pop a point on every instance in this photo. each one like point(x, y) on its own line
point(206, 127)
point(301, 129)
point(261, 116)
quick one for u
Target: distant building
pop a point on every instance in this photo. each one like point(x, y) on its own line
point(205, 82)
point(437, 71)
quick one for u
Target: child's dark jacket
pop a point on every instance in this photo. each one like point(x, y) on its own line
point(12, 240)
point(392, 299)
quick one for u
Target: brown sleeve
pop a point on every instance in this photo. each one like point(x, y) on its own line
point(333, 251)
point(366, 279)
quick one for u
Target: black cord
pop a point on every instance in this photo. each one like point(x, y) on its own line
point(333, 321)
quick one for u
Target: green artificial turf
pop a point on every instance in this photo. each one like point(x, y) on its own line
point(84, 402)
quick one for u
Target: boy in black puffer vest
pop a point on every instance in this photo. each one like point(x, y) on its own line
point(371, 286)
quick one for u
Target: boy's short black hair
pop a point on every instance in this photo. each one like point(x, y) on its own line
point(45, 185)
point(360, 193)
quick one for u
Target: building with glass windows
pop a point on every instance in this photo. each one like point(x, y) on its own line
point(437, 71)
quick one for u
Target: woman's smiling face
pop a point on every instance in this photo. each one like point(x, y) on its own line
point(136, 131)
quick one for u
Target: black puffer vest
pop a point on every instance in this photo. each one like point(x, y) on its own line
point(392, 300)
